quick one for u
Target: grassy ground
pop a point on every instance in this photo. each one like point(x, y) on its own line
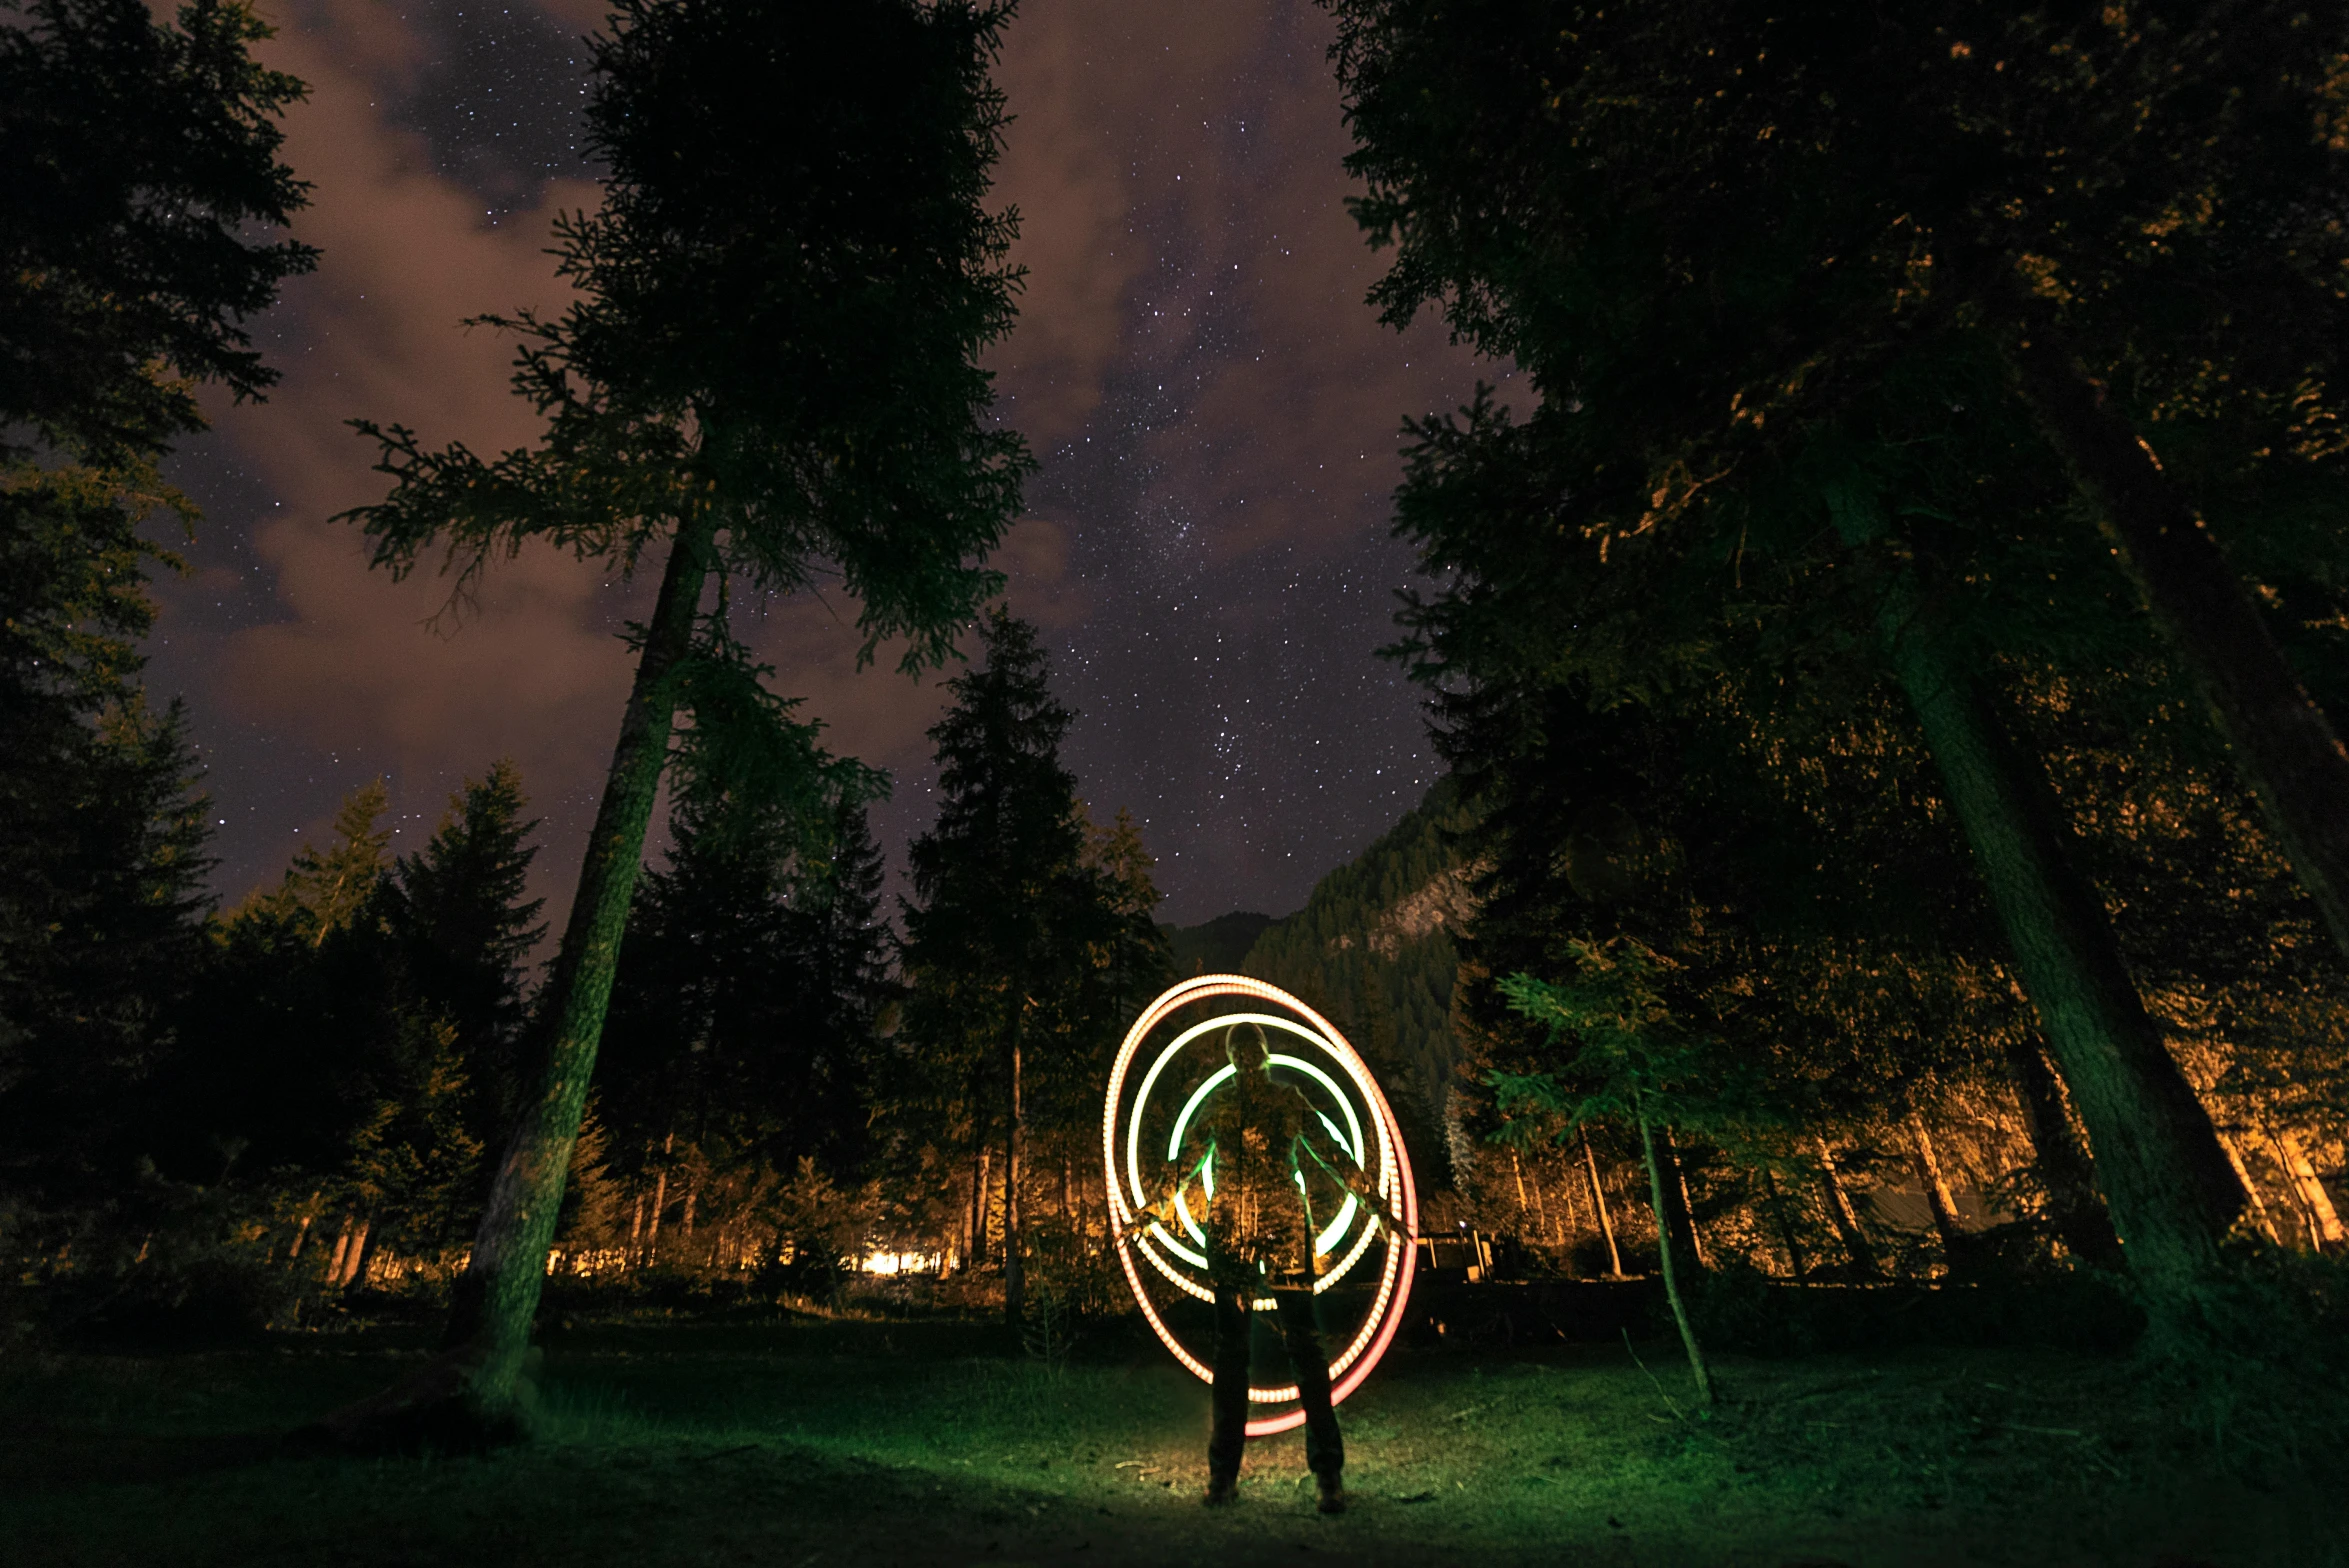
point(801, 1447)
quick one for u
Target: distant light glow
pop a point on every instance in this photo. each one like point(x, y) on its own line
point(899, 1263)
point(1391, 1178)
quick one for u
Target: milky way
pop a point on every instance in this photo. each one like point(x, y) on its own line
point(1214, 410)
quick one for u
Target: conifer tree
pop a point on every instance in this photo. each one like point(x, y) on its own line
point(769, 373)
point(140, 158)
point(1787, 411)
point(468, 933)
point(1008, 912)
point(101, 833)
point(137, 169)
point(1711, 226)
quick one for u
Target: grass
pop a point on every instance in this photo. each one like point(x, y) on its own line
point(803, 1447)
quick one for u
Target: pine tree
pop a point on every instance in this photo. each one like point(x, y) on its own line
point(140, 158)
point(1726, 224)
point(137, 162)
point(770, 373)
point(839, 979)
point(1007, 910)
point(468, 933)
point(101, 833)
point(1787, 416)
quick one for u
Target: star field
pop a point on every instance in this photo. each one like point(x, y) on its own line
point(1213, 409)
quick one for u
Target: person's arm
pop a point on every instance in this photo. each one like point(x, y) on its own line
point(1353, 1181)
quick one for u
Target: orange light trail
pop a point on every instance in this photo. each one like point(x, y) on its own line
point(1394, 1185)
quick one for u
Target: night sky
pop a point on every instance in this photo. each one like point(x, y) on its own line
point(1206, 546)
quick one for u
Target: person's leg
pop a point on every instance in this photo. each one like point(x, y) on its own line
point(1325, 1450)
point(1228, 1435)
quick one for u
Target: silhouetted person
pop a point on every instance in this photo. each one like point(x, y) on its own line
point(1258, 1146)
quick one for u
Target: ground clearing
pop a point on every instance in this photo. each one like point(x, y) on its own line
point(668, 1446)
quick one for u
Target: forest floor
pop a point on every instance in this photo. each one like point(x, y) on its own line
point(806, 1448)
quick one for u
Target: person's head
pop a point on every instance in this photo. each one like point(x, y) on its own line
point(1245, 1046)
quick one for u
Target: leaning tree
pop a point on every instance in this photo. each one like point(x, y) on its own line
point(768, 378)
point(1818, 300)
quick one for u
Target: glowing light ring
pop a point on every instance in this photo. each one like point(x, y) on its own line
point(1394, 1184)
point(1323, 1243)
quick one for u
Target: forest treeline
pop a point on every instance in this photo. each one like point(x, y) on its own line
point(1890, 666)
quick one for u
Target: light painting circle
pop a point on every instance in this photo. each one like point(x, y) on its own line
point(1170, 1066)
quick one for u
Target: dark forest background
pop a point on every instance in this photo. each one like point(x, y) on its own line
point(1897, 829)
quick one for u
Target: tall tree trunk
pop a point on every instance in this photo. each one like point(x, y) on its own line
point(355, 1265)
point(2324, 1220)
point(1683, 1213)
point(982, 1164)
point(342, 1250)
point(2284, 746)
point(496, 1298)
point(1795, 1260)
point(1541, 1218)
point(1940, 1202)
point(2074, 1204)
point(2171, 1191)
point(1015, 1137)
point(660, 1205)
point(1664, 1251)
point(2259, 1210)
point(1845, 1218)
point(1598, 1195)
point(293, 1253)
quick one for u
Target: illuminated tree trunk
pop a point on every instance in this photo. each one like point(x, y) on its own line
point(1681, 1211)
point(2075, 1206)
point(2284, 746)
point(342, 1250)
point(1598, 1195)
point(2324, 1220)
point(356, 1264)
point(1795, 1260)
point(1845, 1218)
point(2258, 1202)
point(2171, 1191)
point(1015, 1283)
point(1940, 1202)
point(469, 1393)
point(498, 1293)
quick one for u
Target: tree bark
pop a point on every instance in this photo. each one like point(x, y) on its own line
point(1679, 1216)
point(1845, 1218)
point(981, 1175)
point(2284, 746)
point(355, 1266)
point(2074, 1204)
point(660, 1204)
point(2259, 1210)
point(342, 1250)
point(1940, 1202)
point(497, 1296)
point(1795, 1260)
point(1664, 1251)
point(2324, 1220)
point(1599, 1201)
point(1015, 1282)
point(2171, 1191)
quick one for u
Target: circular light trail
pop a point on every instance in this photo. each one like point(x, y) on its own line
point(1376, 1149)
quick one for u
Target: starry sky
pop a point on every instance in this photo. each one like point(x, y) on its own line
point(1214, 409)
